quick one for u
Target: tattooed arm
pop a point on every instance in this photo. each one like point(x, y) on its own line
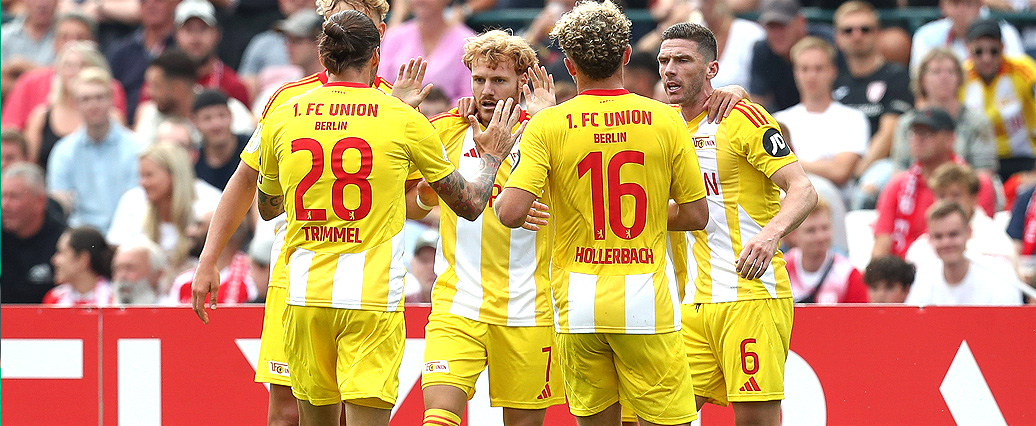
point(468, 199)
point(270, 206)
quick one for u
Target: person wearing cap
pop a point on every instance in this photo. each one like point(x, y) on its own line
point(1004, 87)
point(298, 33)
point(130, 56)
point(219, 145)
point(951, 31)
point(198, 34)
point(771, 82)
point(267, 49)
point(903, 202)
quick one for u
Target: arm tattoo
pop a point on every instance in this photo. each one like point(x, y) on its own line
point(468, 198)
point(270, 206)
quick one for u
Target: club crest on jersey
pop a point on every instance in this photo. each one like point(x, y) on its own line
point(279, 368)
point(436, 367)
point(704, 142)
point(774, 143)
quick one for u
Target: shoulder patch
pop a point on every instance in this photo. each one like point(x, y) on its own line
point(774, 143)
point(253, 142)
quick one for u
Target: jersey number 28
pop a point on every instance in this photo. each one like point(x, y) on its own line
point(342, 178)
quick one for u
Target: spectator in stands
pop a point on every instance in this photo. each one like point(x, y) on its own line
point(268, 49)
point(29, 235)
point(172, 87)
point(812, 122)
point(33, 88)
point(220, 147)
point(938, 82)
point(113, 18)
point(958, 183)
point(260, 258)
point(439, 42)
point(82, 268)
point(236, 285)
point(888, 279)
point(137, 272)
point(537, 35)
point(299, 33)
point(59, 116)
point(960, 279)
point(90, 168)
point(13, 148)
point(640, 74)
point(30, 37)
point(421, 272)
point(198, 34)
point(131, 56)
point(869, 84)
point(952, 30)
point(164, 204)
point(771, 81)
point(818, 274)
point(1005, 89)
point(436, 103)
point(904, 200)
point(179, 132)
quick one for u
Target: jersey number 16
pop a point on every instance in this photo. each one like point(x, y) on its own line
point(594, 163)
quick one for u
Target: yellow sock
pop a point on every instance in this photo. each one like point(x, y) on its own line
point(439, 417)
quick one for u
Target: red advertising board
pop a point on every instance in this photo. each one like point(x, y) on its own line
point(849, 365)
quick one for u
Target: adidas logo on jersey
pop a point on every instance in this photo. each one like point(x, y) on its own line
point(750, 386)
point(472, 154)
point(545, 393)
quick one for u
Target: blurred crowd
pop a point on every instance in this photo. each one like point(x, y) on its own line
point(123, 121)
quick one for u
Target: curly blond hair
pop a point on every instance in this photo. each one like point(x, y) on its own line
point(497, 46)
point(378, 8)
point(594, 36)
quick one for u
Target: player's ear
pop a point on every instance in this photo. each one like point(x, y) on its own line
point(571, 67)
point(626, 55)
point(381, 28)
point(376, 58)
point(712, 70)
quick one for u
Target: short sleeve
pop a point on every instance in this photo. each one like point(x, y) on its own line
point(761, 141)
point(899, 100)
point(252, 151)
point(887, 208)
point(1016, 226)
point(427, 152)
point(533, 164)
point(687, 184)
point(269, 169)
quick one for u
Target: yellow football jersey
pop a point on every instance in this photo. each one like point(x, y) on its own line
point(250, 156)
point(607, 163)
point(737, 158)
point(329, 151)
point(492, 273)
point(1009, 101)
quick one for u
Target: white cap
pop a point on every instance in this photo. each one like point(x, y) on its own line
point(200, 9)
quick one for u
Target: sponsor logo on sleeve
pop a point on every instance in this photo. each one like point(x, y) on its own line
point(774, 143)
point(253, 142)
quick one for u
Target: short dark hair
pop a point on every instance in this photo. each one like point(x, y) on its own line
point(11, 135)
point(697, 33)
point(348, 40)
point(91, 241)
point(889, 269)
point(175, 64)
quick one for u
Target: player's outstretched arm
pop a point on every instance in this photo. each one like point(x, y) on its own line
point(231, 210)
point(408, 82)
point(801, 199)
point(468, 198)
point(690, 216)
point(722, 100)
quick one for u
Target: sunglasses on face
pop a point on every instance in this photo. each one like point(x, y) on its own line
point(862, 29)
point(992, 51)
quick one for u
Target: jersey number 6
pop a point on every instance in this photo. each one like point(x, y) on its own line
point(342, 178)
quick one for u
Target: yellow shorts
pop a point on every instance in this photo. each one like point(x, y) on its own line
point(737, 350)
point(645, 372)
point(273, 363)
point(523, 366)
point(344, 355)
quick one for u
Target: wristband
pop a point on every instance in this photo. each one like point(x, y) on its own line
point(422, 205)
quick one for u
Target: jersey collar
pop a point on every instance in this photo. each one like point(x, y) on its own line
point(322, 75)
point(605, 92)
point(347, 84)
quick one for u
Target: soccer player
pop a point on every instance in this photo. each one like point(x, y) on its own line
point(491, 305)
point(237, 199)
point(737, 319)
point(607, 163)
point(327, 152)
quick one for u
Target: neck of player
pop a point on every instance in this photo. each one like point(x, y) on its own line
point(351, 75)
point(584, 83)
point(696, 105)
